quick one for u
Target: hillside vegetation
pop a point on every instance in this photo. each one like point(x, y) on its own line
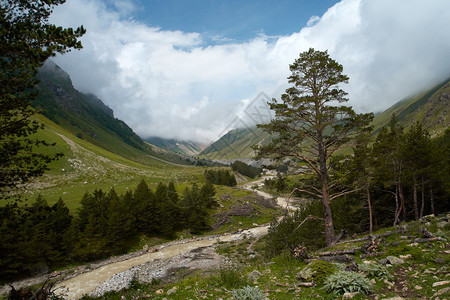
point(177, 146)
point(86, 167)
point(409, 261)
point(430, 108)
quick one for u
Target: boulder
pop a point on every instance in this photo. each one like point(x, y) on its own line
point(305, 275)
point(395, 260)
point(254, 275)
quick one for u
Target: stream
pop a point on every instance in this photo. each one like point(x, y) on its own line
point(115, 273)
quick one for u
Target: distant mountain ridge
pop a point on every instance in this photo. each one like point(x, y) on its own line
point(236, 144)
point(178, 146)
point(431, 108)
point(88, 118)
point(85, 115)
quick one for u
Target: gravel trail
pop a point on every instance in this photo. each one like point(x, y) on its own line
point(117, 275)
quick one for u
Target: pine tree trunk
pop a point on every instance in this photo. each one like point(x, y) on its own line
point(326, 202)
point(432, 202)
point(328, 219)
point(402, 201)
point(398, 208)
point(370, 208)
point(422, 207)
point(416, 207)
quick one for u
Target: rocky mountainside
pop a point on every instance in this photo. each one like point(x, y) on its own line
point(431, 108)
point(88, 118)
point(84, 115)
point(178, 146)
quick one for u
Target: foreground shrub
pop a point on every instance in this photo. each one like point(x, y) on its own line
point(321, 270)
point(376, 271)
point(347, 282)
point(285, 233)
point(230, 277)
point(248, 293)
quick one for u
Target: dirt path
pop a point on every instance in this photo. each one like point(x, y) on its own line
point(86, 283)
point(83, 284)
point(90, 280)
point(281, 201)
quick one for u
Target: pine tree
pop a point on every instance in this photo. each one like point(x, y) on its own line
point(121, 223)
point(309, 128)
point(389, 164)
point(27, 40)
point(362, 170)
point(416, 153)
point(146, 210)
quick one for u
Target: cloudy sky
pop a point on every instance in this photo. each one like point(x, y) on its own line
point(186, 68)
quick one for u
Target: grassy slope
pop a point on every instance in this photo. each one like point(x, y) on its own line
point(235, 144)
point(429, 107)
point(177, 146)
point(86, 167)
point(424, 265)
point(425, 108)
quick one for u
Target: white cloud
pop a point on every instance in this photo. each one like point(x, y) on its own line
point(312, 21)
point(171, 84)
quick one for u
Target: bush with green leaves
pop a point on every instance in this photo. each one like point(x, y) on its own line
point(286, 233)
point(230, 277)
point(347, 282)
point(376, 271)
point(321, 270)
point(248, 293)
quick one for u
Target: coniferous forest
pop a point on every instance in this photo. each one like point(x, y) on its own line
point(398, 176)
point(40, 237)
point(340, 182)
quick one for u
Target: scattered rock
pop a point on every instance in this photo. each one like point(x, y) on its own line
point(159, 292)
point(426, 233)
point(171, 291)
point(388, 282)
point(418, 287)
point(395, 260)
point(442, 292)
point(254, 275)
point(439, 283)
point(343, 259)
point(405, 256)
point(441, 225)
point(350, 295)
point(304, 275)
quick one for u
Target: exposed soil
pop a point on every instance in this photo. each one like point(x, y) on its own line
point(157, 262)
point(402, 285)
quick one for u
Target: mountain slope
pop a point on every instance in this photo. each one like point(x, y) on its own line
point(86, 167)
point(431, 108)
point(236, 144)
point(177, 146)
point(88, 118)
